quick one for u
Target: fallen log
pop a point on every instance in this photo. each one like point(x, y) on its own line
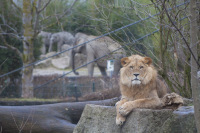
point(51, 118)
point(59, 117)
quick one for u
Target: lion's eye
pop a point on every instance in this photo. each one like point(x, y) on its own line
point(131, 67)
point(141, 67)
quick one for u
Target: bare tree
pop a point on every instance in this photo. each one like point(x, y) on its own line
point(30, 17)
point(178, 27)
point(3, 81)
point(193, 63)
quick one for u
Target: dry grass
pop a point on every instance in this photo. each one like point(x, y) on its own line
point(62, 90)
point(102, 95)
point(94, 96)
point(84, 85)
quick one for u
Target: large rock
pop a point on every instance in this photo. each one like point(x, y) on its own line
point(50, 54)
point(101, 119)
point(61, 63)
point(56, 61)
point(67, 53)
point(43, 64)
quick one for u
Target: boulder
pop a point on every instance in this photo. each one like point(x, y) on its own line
point(43, 64)
point(54, 57)
point(187, 102)
point(52, 53)
point(67, 53)
point(101, 119)
point(42, 56)
point(61, 63)
point(57, 62)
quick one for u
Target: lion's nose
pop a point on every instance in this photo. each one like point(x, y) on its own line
point(136, 75)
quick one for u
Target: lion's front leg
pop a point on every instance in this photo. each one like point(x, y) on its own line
point(127, 107)
point(120, 119)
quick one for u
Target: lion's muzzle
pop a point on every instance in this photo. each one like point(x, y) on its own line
point(136, 80)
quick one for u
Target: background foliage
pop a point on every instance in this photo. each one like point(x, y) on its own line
point(97, 17)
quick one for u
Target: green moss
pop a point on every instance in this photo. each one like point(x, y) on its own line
point(191, 104)
point(24, 57)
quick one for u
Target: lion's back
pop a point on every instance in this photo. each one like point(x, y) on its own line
point(161, 88)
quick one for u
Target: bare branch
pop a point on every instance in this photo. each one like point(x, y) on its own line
point(15, 121)
point(59, 16)
point(3, 63)
point(44, 6)
point(45, 18)
point(3, 47)
point(180, 34)
point(11, 47)
point(3, 86)
point(16, 6)
point(69, 8)
point(23, 124)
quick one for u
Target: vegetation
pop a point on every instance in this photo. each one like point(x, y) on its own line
point(167, 47)
point(176, 62)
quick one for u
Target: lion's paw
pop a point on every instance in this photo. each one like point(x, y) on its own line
point(125, 109)
point(120, 120)
point(116, 103)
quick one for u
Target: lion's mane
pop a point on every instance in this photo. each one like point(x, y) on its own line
point(147, 78)
point(141, 88)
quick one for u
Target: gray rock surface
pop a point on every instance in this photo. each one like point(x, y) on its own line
point(187, 102)
point(52, 53)
point(43, 64)
point(101, 119)
point(42, 56)
point(61, 63)
point(67, 53)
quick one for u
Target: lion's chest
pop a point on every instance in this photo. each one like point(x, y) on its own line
point(136, 93)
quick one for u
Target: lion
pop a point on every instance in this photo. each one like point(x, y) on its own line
point(139, 86)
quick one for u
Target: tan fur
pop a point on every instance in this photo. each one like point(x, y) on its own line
point(139, 86)
point(172, 101)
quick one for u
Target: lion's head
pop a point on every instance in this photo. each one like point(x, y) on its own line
point(137, 70)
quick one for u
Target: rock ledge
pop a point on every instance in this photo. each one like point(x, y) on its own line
point(101, 119)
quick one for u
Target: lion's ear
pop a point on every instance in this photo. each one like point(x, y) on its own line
point(147, 60)
point(125, 61)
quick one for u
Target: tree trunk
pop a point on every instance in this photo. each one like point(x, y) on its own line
point(59, 117)
point(52, 118)
point(27, 77)
point(194, 67)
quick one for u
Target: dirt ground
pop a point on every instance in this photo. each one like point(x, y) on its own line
point(52, 71)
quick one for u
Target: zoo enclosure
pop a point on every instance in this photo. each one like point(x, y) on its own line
point(66, 87)
point(136, 40)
